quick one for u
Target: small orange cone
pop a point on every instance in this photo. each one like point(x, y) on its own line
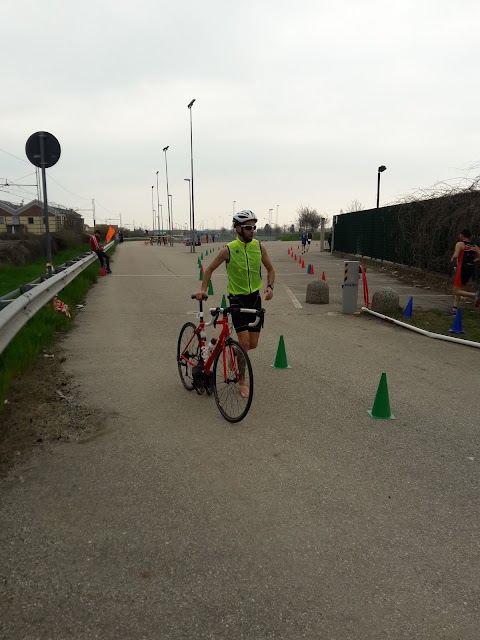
point(323, 275)
point(303, 263)
point(103, 272)
point(298, 246)
point(295, 257)
point(312, 271)
point(288, 252)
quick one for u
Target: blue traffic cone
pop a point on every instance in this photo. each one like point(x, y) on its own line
point(408, 309)
point(457, 323)
point(309, 267)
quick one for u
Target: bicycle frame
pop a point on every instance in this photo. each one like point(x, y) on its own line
point(222, 340)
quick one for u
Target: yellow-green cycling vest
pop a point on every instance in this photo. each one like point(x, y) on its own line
point(244, 267)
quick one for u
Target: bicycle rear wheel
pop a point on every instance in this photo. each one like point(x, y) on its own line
point(188, 354)
point(231, 364)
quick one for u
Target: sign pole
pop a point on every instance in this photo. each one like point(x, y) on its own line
point(45, 205)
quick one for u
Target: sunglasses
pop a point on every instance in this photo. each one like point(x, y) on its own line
point(249, 227)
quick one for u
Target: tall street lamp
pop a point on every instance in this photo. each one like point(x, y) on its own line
point(161, 217)
point(166, 173)
point(234, 202)
point(189, 106)
point(158, 206)
point(171, 218)
point(276, 222)
point(153, 211)
point(190, 199)
point(381, 169)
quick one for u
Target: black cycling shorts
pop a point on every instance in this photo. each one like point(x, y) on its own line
point(466, 272)
point(242, 320)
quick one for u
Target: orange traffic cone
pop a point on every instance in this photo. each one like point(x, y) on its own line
point(312, 271)
point(303, 264)
point(323, 275)
point(103, 272)
point(288, 252)
point(295, 257)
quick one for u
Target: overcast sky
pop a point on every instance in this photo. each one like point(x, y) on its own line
point(297, 102)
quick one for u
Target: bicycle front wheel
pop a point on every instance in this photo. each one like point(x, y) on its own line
point(233, 381)
point(188, 353)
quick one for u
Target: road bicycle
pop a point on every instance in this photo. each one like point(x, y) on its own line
point(218, 367)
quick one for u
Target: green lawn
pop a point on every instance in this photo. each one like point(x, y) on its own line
point(46, 324)
point(440, 322)
point(12, 277)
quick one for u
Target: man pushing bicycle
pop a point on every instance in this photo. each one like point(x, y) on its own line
point(244, 257)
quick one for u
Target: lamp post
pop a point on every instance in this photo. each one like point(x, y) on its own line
point(158, 206)
point(234, 202)
point(171, 219)
point(276, 223)
point(153, 212)
point(381, 169)
point(161, 216)
point(270, 212)
point(192, 246)
point(192, 243)
point(166, 173)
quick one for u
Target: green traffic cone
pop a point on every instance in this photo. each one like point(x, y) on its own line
point(201, 275)
point(201, 257)
point(210, 288)
point(206, 253)
point(199, 262)
point(281, 358)
point(223, 303)
point(381, 406)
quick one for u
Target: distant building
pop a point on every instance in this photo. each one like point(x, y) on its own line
point(27, 218)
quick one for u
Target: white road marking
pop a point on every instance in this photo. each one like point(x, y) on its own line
point(292, 297)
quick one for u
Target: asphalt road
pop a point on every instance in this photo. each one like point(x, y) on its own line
point(307, 520)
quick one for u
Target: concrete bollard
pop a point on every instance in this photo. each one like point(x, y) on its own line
point(385, 300)
point(318, 292)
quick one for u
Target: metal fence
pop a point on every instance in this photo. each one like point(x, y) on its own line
point(419, 234)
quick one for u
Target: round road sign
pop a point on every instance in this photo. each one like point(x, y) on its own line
point(42, 149)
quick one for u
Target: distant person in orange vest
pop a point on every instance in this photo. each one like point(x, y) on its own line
point(98, 249)
point(465, 255)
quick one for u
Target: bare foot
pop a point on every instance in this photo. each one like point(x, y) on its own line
point(244, 390)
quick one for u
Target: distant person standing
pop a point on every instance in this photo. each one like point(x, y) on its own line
point(99, 250)
point(120, 237)
point(329, 240)
point(465, 255)
point(309, 239)
point(206, 237)
point(303, 240)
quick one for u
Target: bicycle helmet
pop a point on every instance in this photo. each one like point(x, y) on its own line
point(243, 216)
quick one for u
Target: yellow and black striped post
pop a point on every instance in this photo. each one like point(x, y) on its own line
point(350, 286)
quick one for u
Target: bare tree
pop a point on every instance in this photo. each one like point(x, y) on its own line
point(354, 205)
point(308, 218)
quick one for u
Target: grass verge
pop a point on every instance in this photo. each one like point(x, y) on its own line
point(12, 277)
point(438, 321)
point(40, 331)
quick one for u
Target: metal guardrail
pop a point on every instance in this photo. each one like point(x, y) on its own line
point(18, 311)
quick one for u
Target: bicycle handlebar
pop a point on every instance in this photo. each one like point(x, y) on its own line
point(216, 311)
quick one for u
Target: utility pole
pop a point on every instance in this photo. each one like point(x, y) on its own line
point(93, 207)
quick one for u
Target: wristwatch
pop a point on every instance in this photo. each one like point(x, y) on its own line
point(270, 285)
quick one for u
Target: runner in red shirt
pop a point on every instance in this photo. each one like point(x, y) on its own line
point(466, 254)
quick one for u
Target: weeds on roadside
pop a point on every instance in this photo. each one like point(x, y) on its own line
point(40, 331)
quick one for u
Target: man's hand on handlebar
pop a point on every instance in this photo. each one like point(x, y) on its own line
point(201, 295)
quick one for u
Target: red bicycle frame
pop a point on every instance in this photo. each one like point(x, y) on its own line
point(220, 344)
